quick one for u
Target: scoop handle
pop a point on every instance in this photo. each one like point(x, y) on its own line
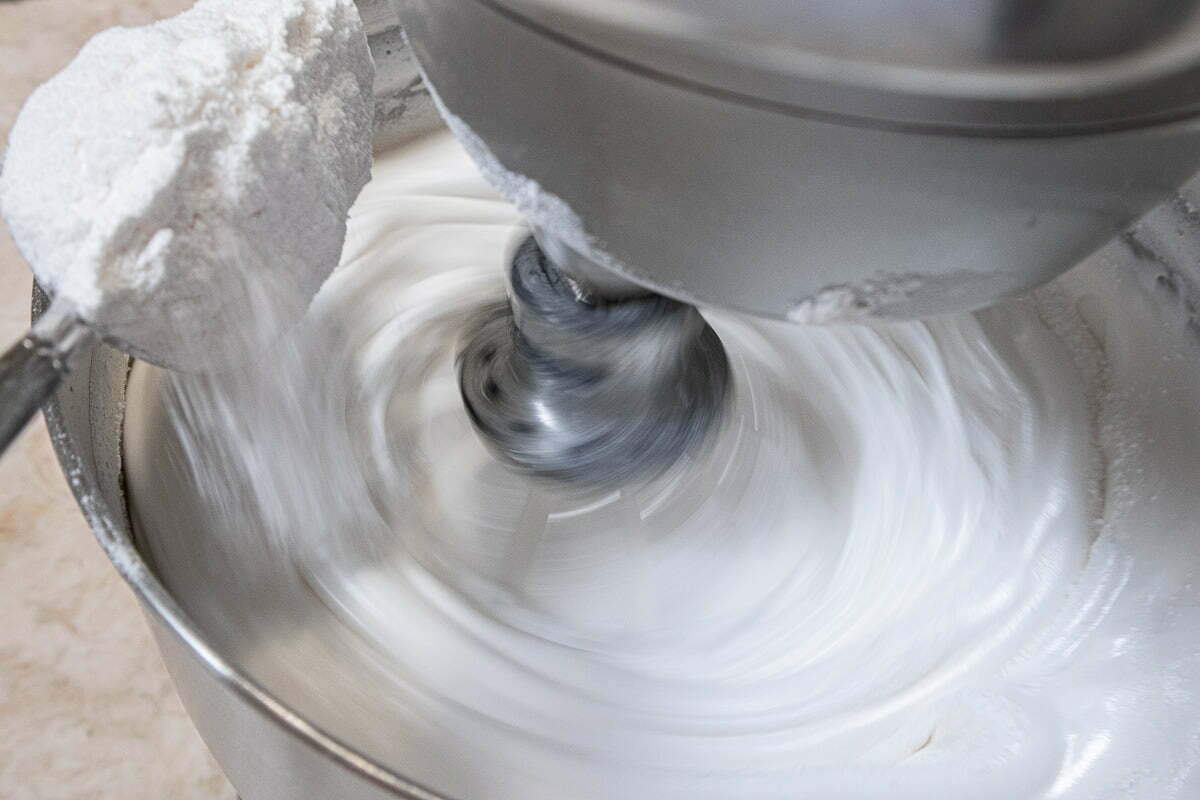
point(33, 368)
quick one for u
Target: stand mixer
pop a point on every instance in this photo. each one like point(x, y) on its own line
point(803, 162)
point(815, 162)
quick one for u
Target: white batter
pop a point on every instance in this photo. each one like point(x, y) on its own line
point(941, 559)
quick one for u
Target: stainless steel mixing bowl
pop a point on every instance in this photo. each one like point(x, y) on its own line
point(271, 747)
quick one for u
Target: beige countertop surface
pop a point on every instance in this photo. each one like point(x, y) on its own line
point(86, 708)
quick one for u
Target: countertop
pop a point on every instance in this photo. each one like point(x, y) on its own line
point(86, 707)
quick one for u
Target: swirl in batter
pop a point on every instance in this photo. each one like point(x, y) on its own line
point(920, 559)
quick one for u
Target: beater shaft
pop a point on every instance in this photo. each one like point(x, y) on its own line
point(568, 384)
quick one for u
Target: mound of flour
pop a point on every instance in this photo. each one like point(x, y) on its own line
point(176, 179)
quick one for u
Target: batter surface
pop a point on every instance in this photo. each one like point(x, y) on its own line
point(950, 558)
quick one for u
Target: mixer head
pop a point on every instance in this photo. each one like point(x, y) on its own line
point(820, 161)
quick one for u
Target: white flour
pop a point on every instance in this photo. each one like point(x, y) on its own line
point(173, 173)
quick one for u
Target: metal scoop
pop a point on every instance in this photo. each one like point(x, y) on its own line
point(33, 368)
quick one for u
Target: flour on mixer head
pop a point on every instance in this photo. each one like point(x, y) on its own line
point(541, 208)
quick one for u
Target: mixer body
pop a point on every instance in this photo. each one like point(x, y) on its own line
point(927, 196)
